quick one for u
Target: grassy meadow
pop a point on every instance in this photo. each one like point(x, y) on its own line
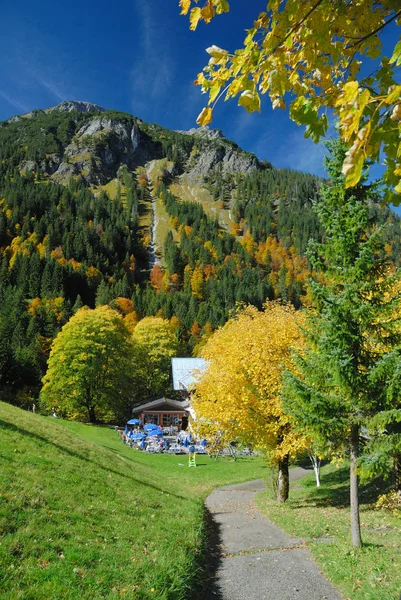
point(321, 517)
point(84, 516)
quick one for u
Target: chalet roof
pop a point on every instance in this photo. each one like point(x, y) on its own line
point(186, 371)
point(163, 404)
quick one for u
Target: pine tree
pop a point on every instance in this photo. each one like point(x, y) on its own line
point(331, 394)
point(46, 285)
point(34, 275)
point(77, 304)
point(382, 454)
point(103, 294)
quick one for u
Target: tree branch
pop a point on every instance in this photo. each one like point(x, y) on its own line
point(296, 26)
point(368, 35)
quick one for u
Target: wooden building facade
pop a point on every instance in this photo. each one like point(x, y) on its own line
point(164, 412)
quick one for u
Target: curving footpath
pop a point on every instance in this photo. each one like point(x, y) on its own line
point(251, 558)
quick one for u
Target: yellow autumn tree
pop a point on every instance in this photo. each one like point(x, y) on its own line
point(239, 393)
point(158, 340)
point(322, 56)
point(94, 368)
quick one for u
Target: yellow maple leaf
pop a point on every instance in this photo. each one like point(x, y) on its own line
point(208, 12)
point(194, 18)
point(278, 103)
point(185, 5)
point(205, 117)
point(216, 52)
point(249, 100)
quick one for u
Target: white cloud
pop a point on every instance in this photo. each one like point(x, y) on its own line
point(18, 105)
point(153, 69)
point(284, 145)
point(191, 103)
point(243, 123)
point(51, 86)
point(301, 154)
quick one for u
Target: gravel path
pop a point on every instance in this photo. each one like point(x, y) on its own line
point(251, 558)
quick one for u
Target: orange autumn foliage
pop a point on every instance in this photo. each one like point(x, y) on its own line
point(156, 277)
point(123, 305)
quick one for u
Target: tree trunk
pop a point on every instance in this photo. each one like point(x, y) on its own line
point(315, 460)
point(283, 485)
point(397, 473)
point(92, 414)
point(354, 452)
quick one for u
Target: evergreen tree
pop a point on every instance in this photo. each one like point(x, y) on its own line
point(330, 394)
point(382, 454)
point(34, 275)
point(103, 295)
point(77, 304)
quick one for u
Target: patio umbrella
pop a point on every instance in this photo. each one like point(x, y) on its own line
point(155, 432)
point(134, 422)
point(150, 426)
point(138, 436)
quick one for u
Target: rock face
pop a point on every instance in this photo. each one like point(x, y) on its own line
point(70, 105)
point(228, 159)
point(214, 151)
point(204, 132)
point(93, 147)
point(98, 149)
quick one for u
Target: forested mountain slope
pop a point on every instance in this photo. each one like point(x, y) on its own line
point(96, 205)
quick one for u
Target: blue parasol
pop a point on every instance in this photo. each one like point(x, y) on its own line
point(134, 422)
point(150, 426)
point(138, 436)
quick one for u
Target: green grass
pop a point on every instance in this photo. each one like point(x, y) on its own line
point(84, 516)
point(163, 226)
point(321, 516)
point(111, 188)
point(188, 191)
point(155, 170)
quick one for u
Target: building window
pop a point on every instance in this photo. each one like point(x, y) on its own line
point(150, 419)
point(166, 420)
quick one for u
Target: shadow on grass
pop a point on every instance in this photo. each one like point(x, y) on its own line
point(205, 580)
point(79, 456)
point(334, 490)
point(305, 462)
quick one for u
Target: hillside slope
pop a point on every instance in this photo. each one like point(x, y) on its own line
point(83, 516)
point(96, 205)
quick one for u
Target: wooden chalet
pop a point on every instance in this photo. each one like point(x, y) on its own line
point(163, 412)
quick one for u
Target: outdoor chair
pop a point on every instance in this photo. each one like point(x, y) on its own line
point(175, 449)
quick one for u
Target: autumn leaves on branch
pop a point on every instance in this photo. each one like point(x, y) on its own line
point(316, 52)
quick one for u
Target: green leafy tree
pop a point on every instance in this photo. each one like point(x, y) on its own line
point(93, 367)
point(331, 393)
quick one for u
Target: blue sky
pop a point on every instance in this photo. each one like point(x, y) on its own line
point(139, 57)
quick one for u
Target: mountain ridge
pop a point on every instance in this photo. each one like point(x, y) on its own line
point(100, 207)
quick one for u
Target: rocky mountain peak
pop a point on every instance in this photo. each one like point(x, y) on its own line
point(70, 105)
point(204, 132)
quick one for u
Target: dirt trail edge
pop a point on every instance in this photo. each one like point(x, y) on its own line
point(253, 559)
